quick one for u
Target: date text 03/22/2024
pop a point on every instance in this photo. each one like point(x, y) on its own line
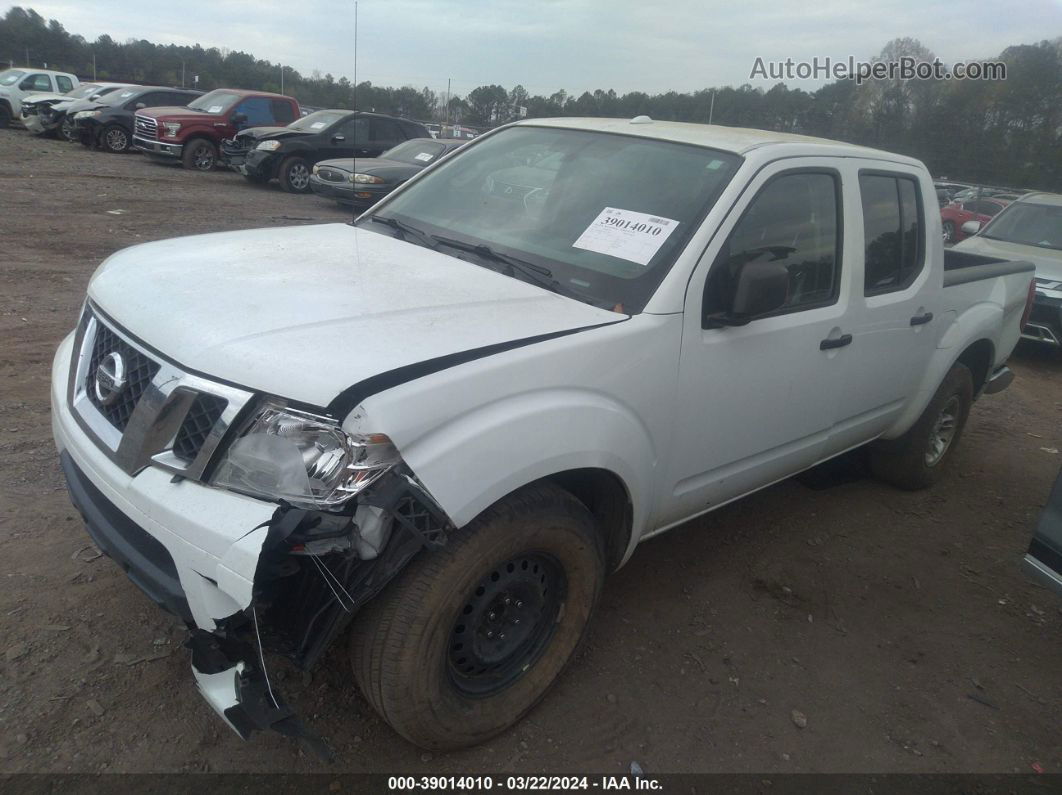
point(521, 783)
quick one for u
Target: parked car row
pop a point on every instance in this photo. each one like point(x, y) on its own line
point(261, 135)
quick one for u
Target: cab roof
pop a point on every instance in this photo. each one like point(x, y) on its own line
point(739, 140)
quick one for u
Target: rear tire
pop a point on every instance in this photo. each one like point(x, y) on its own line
point(294, 175)
point(469, 637)
point(115, 139)
point(199, 155)
point(920, 457)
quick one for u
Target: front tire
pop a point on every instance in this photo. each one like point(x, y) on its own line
point(294, 175)
point(115, 139)
point(199, 155)
point(920, 457)
point(469, 637)
point(67, 130)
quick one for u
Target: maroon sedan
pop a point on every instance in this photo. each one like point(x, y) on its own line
point(953, 216)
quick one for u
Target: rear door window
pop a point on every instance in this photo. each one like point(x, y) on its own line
point(893, 232)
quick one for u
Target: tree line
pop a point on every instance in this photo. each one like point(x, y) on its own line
point(1001, 132)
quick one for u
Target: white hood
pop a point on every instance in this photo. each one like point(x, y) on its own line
point(304, 312)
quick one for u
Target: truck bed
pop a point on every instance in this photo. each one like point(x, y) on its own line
point(961, 267)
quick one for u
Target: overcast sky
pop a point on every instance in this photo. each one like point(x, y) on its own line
point(577, 45)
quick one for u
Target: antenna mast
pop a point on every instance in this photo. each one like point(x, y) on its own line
point(354, 135)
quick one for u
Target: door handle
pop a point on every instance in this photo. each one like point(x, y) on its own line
point(840, 342)
point(921, 320)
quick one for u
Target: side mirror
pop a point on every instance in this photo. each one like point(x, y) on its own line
point(140, 106)
point(338, 138)
point(761, 288)
point(239, 118)
point(971, 227)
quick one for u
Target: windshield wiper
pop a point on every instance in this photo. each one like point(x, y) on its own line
point(537, 274)
point(404, 229)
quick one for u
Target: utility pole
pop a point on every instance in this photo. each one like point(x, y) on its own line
point(282, 78)
point(711, 108)
point(27, 58)
point(93, 67)
point(448, 100)
point(182, 70)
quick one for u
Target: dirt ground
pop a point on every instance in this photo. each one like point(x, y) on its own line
point(897, 623)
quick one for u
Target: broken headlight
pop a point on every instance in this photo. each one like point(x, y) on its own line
point(308, 460)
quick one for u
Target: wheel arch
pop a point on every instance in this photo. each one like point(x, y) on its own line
point(584, 442)
point(978, 357)
point(605, 495)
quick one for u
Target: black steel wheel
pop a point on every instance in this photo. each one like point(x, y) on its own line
point(468, 638)
point(506, 623)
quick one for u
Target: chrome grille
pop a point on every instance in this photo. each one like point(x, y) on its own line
point(146, 127)
point(163, 415)
point(139, 372)
point(331, 175)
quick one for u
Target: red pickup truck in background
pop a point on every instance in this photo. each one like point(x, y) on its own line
point(194, 133)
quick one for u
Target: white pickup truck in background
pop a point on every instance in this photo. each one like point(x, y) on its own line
point(17, 84)
point(440, 427)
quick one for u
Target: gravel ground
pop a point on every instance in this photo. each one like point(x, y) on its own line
point(804, 629)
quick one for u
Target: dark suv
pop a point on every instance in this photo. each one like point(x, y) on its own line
point(109, 125)
point(289, 153)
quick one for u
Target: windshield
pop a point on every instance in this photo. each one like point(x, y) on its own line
point(119, 94)
point(319, 120)
point(10, 76)
point(214, 102)
point(84, 90)
point(1029, 224)
point(418, 152)
point(604, 214)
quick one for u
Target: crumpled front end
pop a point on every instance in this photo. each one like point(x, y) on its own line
point(137, 437)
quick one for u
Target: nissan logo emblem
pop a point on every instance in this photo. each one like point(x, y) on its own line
point(110, 378)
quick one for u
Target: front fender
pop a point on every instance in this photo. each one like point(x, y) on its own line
point(474, 460)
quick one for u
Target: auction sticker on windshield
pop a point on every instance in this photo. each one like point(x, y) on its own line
point(635, 237)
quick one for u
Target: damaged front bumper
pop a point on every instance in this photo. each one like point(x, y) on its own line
point(246, 576)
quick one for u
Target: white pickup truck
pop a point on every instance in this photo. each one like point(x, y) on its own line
point(434, 431)
point(17, 84)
